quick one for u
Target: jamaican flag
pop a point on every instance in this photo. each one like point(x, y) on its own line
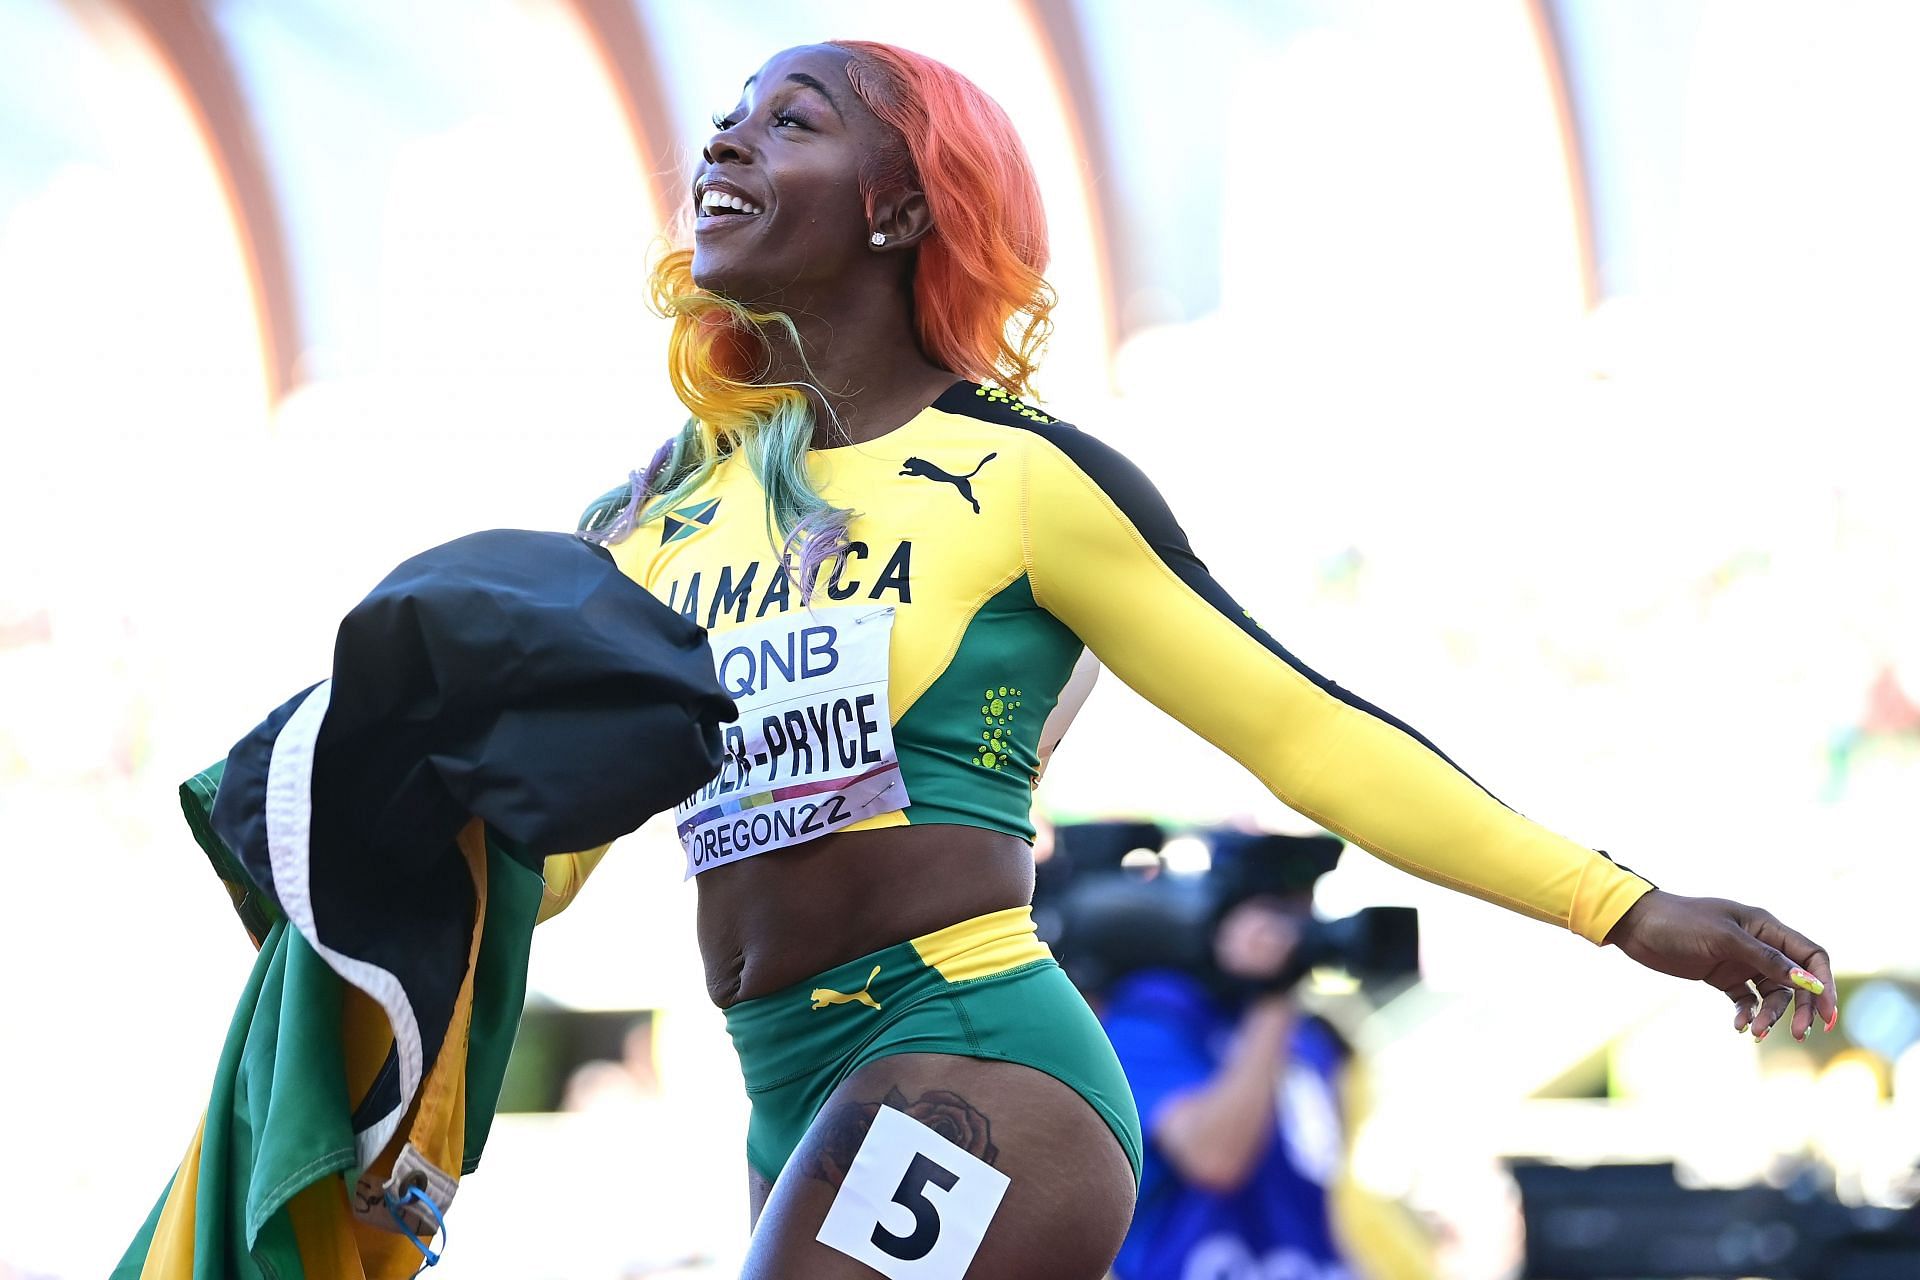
point(389, 838)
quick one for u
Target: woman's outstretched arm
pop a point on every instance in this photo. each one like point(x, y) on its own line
point(1106, 557)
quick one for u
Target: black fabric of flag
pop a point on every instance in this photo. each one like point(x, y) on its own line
point(513, 676)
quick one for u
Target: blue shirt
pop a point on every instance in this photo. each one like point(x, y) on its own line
point(1173, 1036)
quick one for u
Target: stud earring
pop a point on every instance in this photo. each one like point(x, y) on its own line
point(878, 237)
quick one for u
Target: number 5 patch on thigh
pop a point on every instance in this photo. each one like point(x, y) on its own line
point(913, 1206)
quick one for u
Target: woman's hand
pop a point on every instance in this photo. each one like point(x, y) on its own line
point(1741, 950)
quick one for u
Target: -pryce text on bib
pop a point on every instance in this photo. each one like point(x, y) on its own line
point(812, 751)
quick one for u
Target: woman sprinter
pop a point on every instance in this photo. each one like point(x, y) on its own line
point(900, 562)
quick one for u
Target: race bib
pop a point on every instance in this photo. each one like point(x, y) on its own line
point(812, 751)
point(913, 1206)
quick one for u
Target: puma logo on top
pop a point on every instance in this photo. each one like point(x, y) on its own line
point(921, 467)
point(824, 996)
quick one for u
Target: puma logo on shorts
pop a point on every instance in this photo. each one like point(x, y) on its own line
point(824, 996)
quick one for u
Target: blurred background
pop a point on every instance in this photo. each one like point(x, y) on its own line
point(1543, 371)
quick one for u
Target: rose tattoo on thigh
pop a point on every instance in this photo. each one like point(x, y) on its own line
point(941, 1110)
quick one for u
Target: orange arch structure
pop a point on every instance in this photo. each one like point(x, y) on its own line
point(183, 38)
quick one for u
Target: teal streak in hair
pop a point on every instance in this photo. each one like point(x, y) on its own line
point(809, 528)
point(809, 525)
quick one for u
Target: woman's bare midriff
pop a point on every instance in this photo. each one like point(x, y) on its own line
point(782, 917)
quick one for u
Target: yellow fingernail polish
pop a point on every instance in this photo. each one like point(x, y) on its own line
point(1806, 981)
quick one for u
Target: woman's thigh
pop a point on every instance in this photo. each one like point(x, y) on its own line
point(1067, 1200)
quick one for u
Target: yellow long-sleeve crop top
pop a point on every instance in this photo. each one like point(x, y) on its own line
point(1002, 540)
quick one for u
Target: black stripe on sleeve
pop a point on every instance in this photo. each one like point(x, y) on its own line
point(1130, 490)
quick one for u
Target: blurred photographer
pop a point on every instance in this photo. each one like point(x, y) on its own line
point(1247, 1101)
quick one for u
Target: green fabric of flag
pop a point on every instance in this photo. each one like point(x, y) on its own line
point(279, 1116)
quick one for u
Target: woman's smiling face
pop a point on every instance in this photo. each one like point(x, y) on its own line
point(777, 195)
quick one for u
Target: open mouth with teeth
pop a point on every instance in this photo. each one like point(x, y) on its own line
point(717, 203)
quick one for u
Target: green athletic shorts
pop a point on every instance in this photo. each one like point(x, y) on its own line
point(983, 988)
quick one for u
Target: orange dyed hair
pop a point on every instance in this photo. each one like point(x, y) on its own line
point(981, 307)
point(980, 303)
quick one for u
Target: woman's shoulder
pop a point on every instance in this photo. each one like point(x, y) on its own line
point(1063, 459)
point(995, 404)
point(1045, 426)
point(1038, 431)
